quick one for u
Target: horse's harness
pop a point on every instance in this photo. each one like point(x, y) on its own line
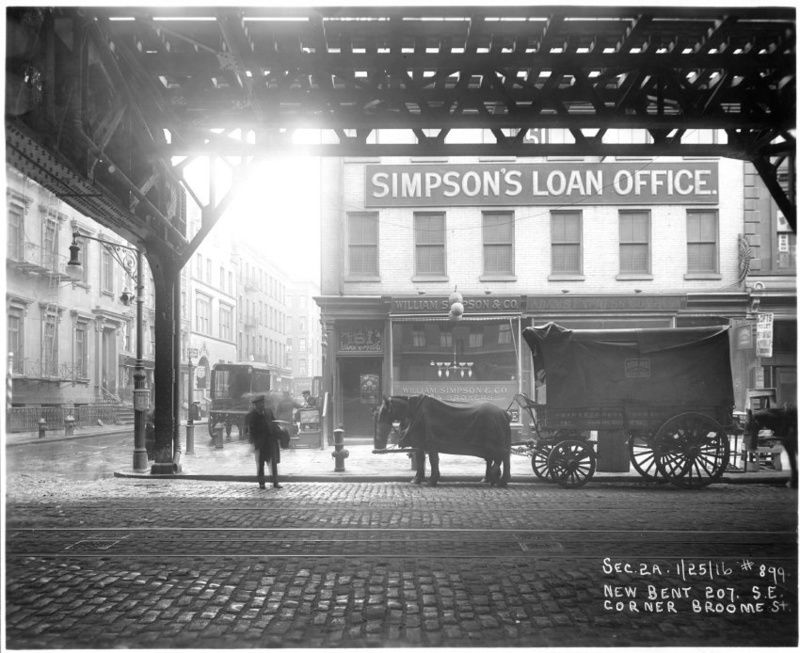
point(391, 418)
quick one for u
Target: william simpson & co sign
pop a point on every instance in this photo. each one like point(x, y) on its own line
point(545, 183)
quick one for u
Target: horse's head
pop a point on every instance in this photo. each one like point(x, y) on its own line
point(391, 410)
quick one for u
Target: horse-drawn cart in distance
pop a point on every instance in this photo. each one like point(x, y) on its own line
point(233, 385)
point(669, 390)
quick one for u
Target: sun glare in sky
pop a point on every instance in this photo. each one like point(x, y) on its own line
point(277, 210)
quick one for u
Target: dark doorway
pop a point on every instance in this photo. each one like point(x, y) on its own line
point(360, 382)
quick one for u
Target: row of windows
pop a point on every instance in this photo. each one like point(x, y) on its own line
point(206, 274)
point(50, 255)
point(203, 271)
point(263, 281)
point(203, 322)
point(222, 327)
point(50, 362)
point(262, 349)
point(566, 243)
point(49, 359)
point(263, 314)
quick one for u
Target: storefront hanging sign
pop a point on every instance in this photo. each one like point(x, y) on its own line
point(361, 340)
point(442, 304)
point(521, 184)
point(550, 304)
point(764, 335)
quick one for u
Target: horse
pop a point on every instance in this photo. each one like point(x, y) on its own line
point(429, 426)
point(783, 424)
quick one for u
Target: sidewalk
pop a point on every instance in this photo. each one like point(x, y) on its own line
point(235, 462)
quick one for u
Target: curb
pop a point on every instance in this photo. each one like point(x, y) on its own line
point(109, 430)
point(405, 478)
point(63, 438)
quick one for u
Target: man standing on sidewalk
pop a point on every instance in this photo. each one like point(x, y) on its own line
point(263, 434)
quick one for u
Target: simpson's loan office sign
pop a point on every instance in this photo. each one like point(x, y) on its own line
point(649, 182)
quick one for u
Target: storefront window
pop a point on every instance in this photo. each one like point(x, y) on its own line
point(442, 351)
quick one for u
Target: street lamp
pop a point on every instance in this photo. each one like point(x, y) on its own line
point(134, 270)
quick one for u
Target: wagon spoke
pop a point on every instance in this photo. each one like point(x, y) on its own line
point(539, 460)
point(572, 463)
point(672, 465)
point(642, 455)
point(692, 450)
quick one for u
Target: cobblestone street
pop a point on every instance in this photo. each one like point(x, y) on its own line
point(153, 563)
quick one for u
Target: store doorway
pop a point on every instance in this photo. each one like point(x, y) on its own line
point(360, 383)
point(786, 384)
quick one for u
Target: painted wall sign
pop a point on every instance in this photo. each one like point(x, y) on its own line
point(515, 184)
point(442, 305)
point(497, 392)
point(559, 303)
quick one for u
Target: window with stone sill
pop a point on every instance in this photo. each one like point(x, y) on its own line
point(634, 242)
point(566, 242)
point(81, 357)
point(429, 244)
point(15, 334)
point(498, 243)
point(701, 242)
point(106, 272)
point(15, 249)
point(362, 245)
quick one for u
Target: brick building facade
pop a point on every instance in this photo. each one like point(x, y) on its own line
point(586, 243)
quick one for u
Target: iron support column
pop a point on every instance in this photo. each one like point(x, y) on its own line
point(140, 392)
point(166, 278)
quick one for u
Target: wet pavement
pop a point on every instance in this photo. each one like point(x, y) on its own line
point(234, 461)
point(99, 557)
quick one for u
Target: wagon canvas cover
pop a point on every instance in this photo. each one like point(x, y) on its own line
point(625, 369)
point(480, 429)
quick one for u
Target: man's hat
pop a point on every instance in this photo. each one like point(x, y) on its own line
point(258, 399)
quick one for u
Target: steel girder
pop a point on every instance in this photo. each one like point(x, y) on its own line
point(116, 93)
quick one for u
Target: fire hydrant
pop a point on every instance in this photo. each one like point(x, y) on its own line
point(341, 453)
point(217, 430)
point(413, 458)
point(42, 427)
point(69, 426)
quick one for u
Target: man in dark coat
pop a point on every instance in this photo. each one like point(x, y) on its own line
point(263, 434)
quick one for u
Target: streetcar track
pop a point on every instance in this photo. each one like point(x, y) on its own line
point(367, 529)
point(782, 511)
point(414, 542)
point(383, 556)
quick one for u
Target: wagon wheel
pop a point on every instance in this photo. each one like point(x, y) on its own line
point(571, 463)
point(539, 460)
point(692, 450)
point(643, 455)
